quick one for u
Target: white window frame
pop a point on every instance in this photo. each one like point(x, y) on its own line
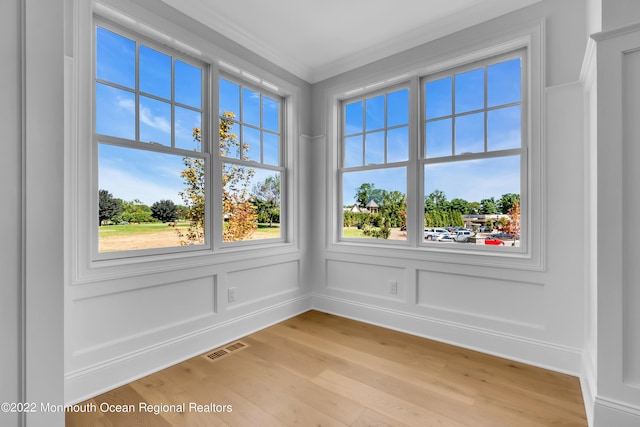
point(531, 254)
point(204, 153)
point(281, 167)
point(486, 154)
point(365, 167)
point(81, 198)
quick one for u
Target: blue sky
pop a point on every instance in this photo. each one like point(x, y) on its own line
point(453, 126)
point(145, 175)
point(149, 176)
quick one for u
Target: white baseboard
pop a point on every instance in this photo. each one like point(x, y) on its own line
point(86, 383)
point(537, 353)
point(588, 383)
point(608, 412)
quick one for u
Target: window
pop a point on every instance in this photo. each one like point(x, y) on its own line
point(150, 139)
point(160, 181)
point(375, 155)
point(252, 166)
point(470, 157)
point(473, 151)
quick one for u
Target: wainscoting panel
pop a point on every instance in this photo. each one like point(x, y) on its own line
point(255, 284)
point(366, 279)
point(475, 297)
point(630, 212)
point(131, 315)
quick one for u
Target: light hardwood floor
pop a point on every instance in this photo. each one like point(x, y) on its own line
point(322, 370)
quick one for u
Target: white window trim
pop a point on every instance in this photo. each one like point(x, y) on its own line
point(407, 164)
point(521, 151)
point(532, 254)
point(80, 200)
point(204, 154)
point(266, 89)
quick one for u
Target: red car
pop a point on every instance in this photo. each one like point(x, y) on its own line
point(493, 241)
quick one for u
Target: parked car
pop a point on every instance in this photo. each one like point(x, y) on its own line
point(462, 235)
point(493, 241)
point(503, 236)
point(445, 237)
point(433, 233)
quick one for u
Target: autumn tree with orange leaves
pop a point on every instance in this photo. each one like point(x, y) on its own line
point(513, 225)
point(240, 219)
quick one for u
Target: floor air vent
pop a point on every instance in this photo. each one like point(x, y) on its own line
point(226, 350)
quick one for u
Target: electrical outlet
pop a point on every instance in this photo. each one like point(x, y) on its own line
point(393, 287)
point(231, 294)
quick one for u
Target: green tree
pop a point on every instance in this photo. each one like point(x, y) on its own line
point(437, 200)
point(367, 192)
point(473, 208)
point(460, 205)
point(488, 206)
point(507, 201)
point(266, 199)
point(108, 206)
point(393, 208)
point(364, 194)
point(455, 218)
point(165, 211)
point(135, 211)
point(489, 224)
point(268, 190)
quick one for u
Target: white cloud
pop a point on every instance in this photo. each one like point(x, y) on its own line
point(126, 104)
point(157, 122)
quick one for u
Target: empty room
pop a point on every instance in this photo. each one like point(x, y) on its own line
point(336, 213)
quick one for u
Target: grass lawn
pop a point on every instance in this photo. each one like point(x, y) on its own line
point(158, 235)
point(129, 229)
point(352, 232)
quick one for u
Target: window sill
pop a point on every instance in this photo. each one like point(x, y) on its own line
point(109, 269)
point(481, 257)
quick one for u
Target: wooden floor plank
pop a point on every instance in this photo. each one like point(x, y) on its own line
point(426, 378)
point(371, 418)
point(317, 369)
point(159, 389)
point(92, 418)
point(342, 409)
point(249, 380)
point(387, 404)
point(121, 407)
point(205, 389)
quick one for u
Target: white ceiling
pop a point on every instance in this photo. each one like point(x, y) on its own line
point(318, 39)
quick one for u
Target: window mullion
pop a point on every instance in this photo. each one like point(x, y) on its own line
point(173, 106)
point(415, 179)
point(485, 111)
point(364, 132)
point(137, 91)
point(453, 115)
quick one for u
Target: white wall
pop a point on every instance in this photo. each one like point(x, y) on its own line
point(618, 13)
point(616, 273)
point(517, 312)
point(10, 176)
